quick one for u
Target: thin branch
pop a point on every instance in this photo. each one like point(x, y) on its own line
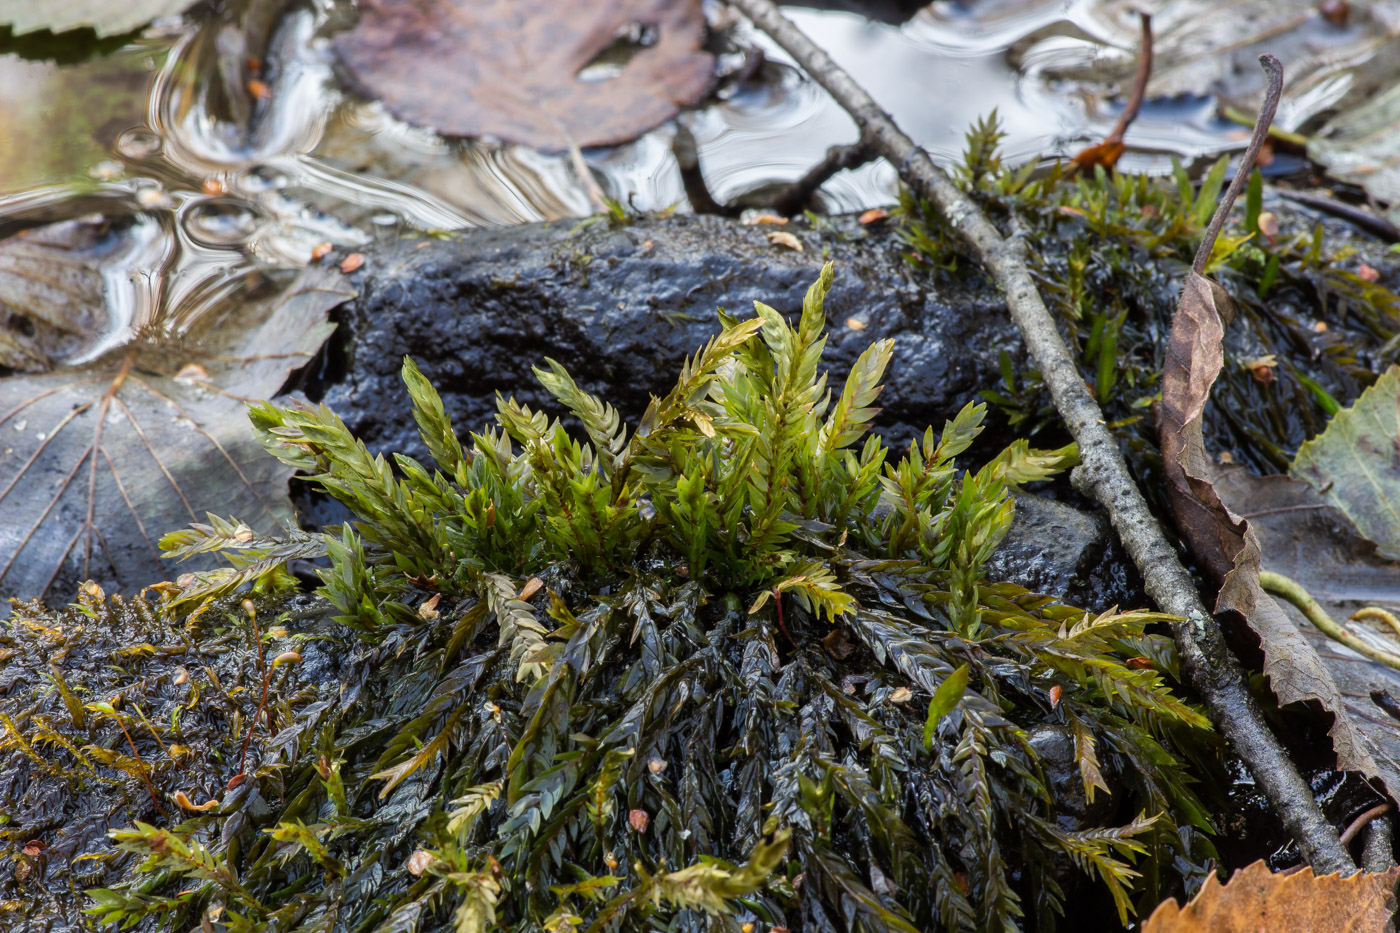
point(796, 196)
point(1144, 71)
point(1213, 671)
point(1376, 852)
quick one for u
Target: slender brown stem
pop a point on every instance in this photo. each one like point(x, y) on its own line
point(141, 766)
point(1144, 71)
point(1213, 671)
point(796, 196)
point(1358, 824)
point(1274, 70)
point(778, 608)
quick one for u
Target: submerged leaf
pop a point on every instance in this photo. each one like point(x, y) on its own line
point(99, 460)
point(546, 73)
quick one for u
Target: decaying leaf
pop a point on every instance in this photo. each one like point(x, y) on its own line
point(1355, 463)
point(538, 72)
point(1222, 542)
point(1256, 899)
point(783, 238)
point(96, 461)
point(51, 286)
point(1359, 145)
point(103, 16)
point(1303, 538)
point(1210, 48)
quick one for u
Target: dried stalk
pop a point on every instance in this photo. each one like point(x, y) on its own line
point(1212, 670)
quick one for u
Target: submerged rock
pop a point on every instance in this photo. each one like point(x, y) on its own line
point(1062, 551)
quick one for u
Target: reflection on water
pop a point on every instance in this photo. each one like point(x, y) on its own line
point(221, 185)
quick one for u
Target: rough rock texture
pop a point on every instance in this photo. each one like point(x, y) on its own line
point(1059, 550)
point(621, 307)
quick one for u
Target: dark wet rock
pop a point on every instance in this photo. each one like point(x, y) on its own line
point(1049, 545)
point(621, 308)
point(196, 683)
point(1062, 551)
point(1055, 745)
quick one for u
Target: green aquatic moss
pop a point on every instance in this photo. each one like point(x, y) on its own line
point(737, 667)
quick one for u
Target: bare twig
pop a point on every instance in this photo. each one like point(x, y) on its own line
point(1211, 668)
point(1256, 142)
point(697, 192)
point(1144, 71)
point(1376, 854)
point(796, 196)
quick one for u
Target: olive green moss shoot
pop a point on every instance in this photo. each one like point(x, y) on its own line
point(735, 669)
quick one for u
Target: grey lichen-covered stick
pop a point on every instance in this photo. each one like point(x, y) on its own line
point(1213, 671)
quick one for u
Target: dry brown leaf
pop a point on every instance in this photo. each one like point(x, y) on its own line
point(1256, 900)
point(429, 610)
point(185, 803)
point(529, 71)
point(419, 861)
point(1222, 543)
point(838, 645)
